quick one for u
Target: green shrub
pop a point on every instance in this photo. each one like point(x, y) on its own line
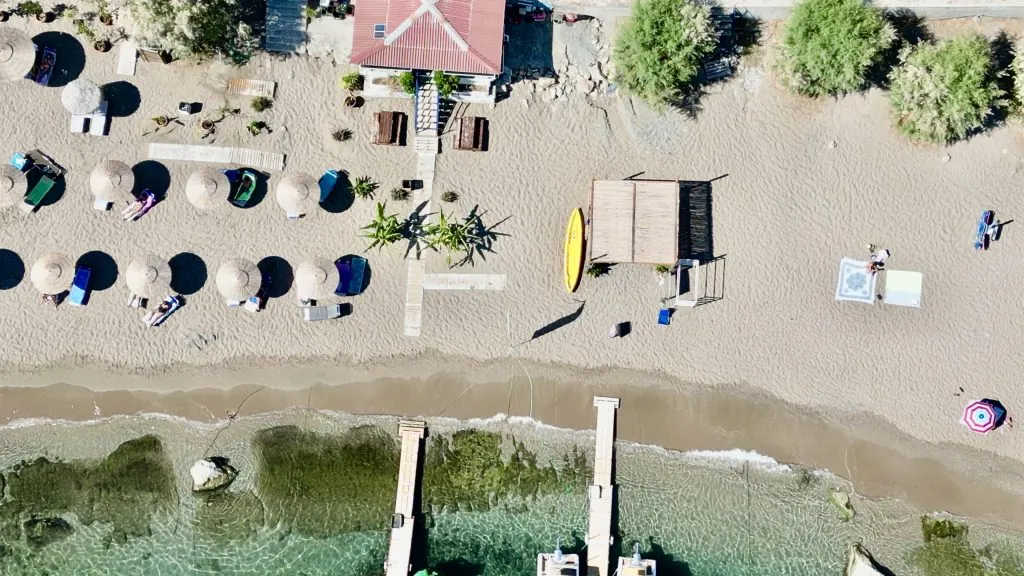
point(352, 81)
point(449, 196)
point(830, 45)
point(446, 83)
point(28, 9)
point(1018, 79)
point(598, 269)
point(407, 82)
point(364, 187)
point(942, 92)
point(659, 49)
point(261, 103)
point(399, 194)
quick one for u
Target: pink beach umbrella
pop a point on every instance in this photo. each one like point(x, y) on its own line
point(984, 416)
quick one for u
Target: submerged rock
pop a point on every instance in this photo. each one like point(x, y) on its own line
point(841, 500)
point(211, 474)
point(43, 531)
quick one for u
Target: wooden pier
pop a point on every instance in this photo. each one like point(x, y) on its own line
point(602, 491)
point(403, 522)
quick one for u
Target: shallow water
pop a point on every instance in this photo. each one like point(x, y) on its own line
point(697, 516)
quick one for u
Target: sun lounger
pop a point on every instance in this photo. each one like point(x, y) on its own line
point(80, 287)
point(43, 70)
point(318, 313)
point(101, 204)
point(327, 184)
point(79, 124)
point(350, 276)
point(293, 216)
point(246, 187)
point(37, 194)
point(136, 301)
point(665, 316)
point(156, 317)
point(98, 121)
point(19, 161)
point(982, 234)
point(126, 59)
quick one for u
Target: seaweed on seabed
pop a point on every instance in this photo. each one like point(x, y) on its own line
point(125, 489)
point(225, 515)
point(467, 471)
point(320, 485)
point(948, 552)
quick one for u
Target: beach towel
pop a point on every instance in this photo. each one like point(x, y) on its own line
point(856, 282)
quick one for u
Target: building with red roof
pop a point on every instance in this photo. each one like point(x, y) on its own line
point(461, 37)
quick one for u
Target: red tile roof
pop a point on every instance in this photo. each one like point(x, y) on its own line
point(449, 35)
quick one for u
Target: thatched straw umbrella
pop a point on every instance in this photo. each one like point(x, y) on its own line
point(149, 276)
point(207, 189)
point(13, 185)
point(52, 273)
point(17, 54)
point(315, 279)
point(111, 178)
point(298, 193)
point(238, 279)
point(81, 96)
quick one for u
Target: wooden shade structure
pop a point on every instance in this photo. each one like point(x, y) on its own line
point(634, 221)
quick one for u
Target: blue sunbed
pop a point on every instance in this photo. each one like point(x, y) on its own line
point(19, 161)
point(981, 240)
point(665, 316)
point(80, 287)
point(350, 276)
point(327, 183)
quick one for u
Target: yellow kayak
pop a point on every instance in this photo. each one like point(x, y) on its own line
point(574, 250)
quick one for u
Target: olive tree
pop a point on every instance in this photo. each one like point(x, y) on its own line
point(829, 45)
point(942, 92)
point(660, 47)
point(194, 28)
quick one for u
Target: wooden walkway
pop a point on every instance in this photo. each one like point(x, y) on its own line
point(247, 87)
point(218, 154)
point(403, 522)
point(602, 491)
point(418, 267)
point(464, 282)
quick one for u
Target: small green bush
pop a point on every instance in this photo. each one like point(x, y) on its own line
point(662, 269)
point(942, 92)
point(352, 81)
point(659, 48)
point(364, 187)
point(446, 83)
point(399, 194)
point(261, 103)
point(30, 8)
point(597, 269)
point(830, 45)
point(341, 135)
point(407, 82)
point(449, 196)
point(1018, 79)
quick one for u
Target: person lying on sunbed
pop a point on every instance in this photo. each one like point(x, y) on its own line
point(154, 315)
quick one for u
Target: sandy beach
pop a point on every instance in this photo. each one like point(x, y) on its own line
point(796, 186)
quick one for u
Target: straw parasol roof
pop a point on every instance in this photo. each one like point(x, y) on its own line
point(81, 96)
point(149, 276)
point(110, 178)
point(52, 273)
point(207, 188)
point(13, 185)
point(317, 278)
point(298, 193)
point(17, 54)
point(238, 279)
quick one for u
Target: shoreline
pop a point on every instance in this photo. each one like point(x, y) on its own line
point(879, 460)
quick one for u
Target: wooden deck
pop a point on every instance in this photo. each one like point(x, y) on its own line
point(403, 522)
point(602, 491)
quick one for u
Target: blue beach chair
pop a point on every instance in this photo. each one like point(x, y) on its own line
point(80, 287)
point(351, 272)
point(327, 184)
point(982, 235)
point(665, 316)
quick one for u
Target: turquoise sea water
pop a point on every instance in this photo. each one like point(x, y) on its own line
point(487, 513)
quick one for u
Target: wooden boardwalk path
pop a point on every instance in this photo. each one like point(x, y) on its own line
point(602, 491)
point(403, 522)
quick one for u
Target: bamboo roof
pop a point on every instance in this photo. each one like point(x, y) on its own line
point(634, 221)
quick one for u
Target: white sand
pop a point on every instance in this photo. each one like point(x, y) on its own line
point(786, 209)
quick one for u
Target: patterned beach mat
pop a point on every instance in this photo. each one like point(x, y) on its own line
point(217, 154)
point(243, 87)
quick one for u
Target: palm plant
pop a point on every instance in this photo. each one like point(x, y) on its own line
point(452, 235)
point(384, 230)
point(364, 187)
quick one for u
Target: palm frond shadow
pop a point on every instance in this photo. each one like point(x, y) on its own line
point(413, 230)
point(481, 238)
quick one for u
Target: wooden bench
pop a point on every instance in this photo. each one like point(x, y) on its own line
point(472, 134)
point(390, 127)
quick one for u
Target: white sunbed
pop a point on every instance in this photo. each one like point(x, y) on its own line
point(126, 59)
point(98, 121)
point(903, 288)
point(79, 124)
point(317, 313)
point(101, 204)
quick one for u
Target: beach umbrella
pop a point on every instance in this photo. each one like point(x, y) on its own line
point(17, 54)
point(984, 415)
point(111, 178)
point(298, 193)
point(13, 185)
point(81, 96)
point(52, 273)
point(238, 279)
point(149, 276)
point(317, 278)
point(207, 188)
